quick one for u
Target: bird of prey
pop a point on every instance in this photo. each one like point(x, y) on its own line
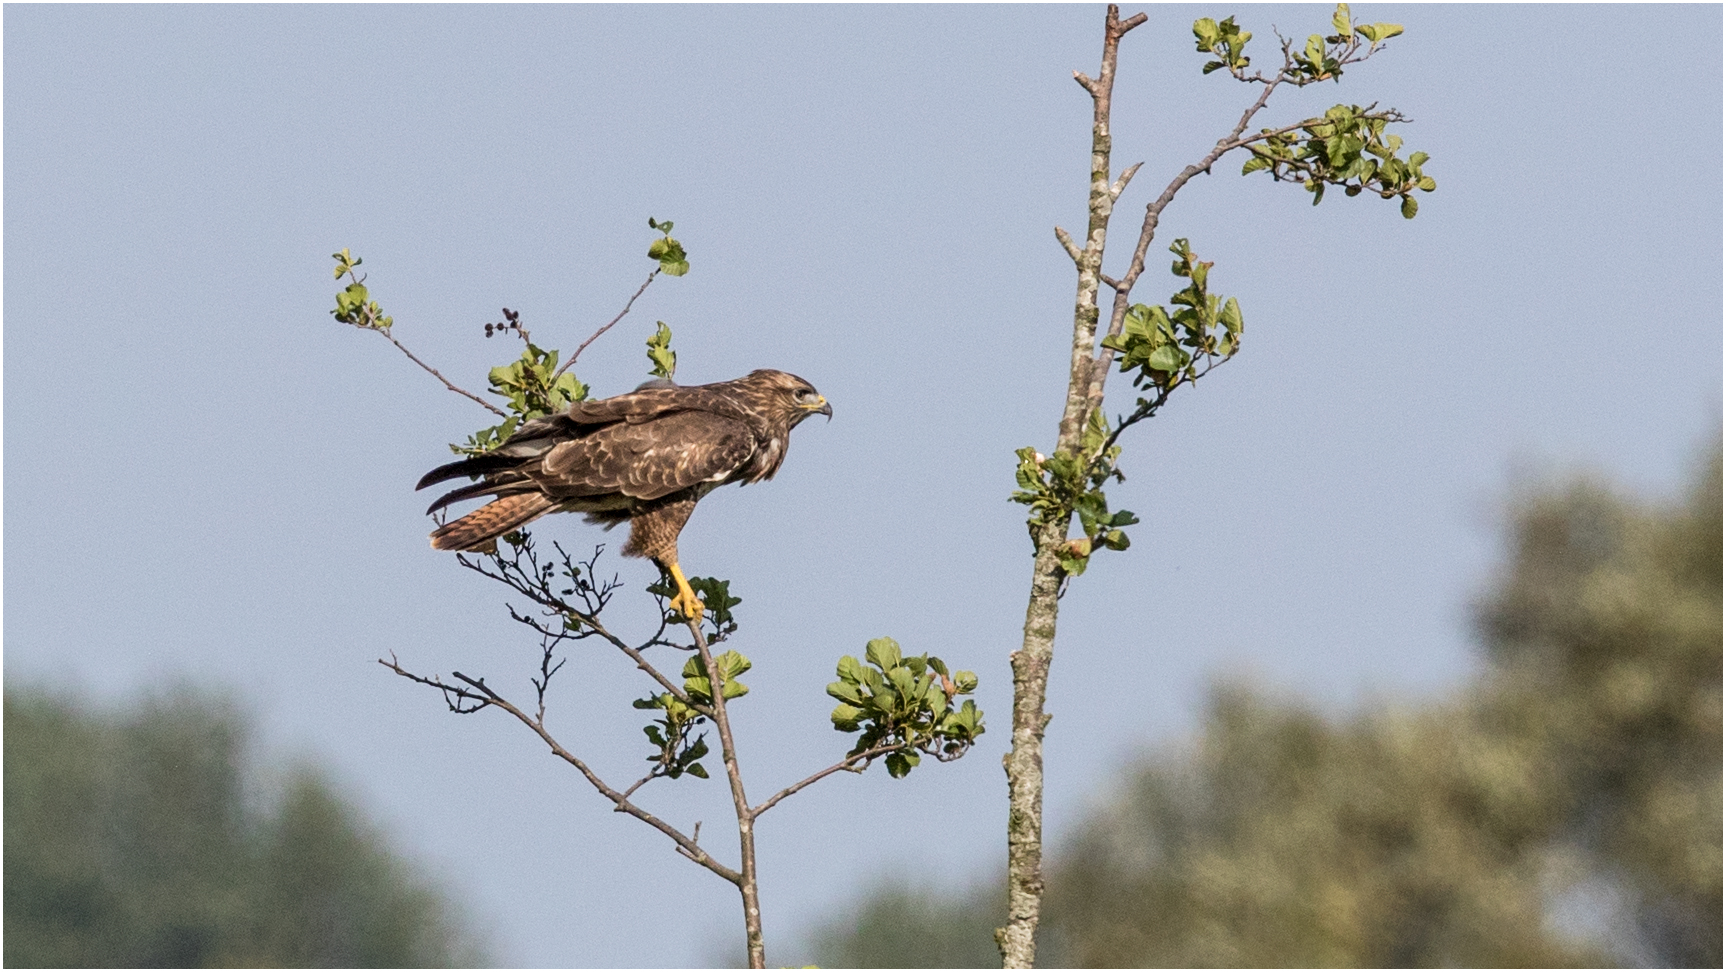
point(647, 456)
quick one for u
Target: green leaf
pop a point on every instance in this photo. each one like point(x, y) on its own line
point(966, 682)
point(1167, 358)
point(1230, 318)
point(851, 670)
point(847, 718)
point(673, 261)
point(900, 763)
point(1340, 19)
point(1205, 29)
point(1409, 207)
point(883, 653)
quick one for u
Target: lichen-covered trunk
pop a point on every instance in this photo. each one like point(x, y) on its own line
point(1024, 764)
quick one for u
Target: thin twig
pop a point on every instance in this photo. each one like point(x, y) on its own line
point(1071, 247)
point(638, 292)
point(558, 606)
point(436, 374)
point(848, 764)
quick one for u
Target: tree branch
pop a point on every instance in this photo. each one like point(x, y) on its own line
point(595, 336)
point(1071, 247)
point(439, 376)
point(746, 882)
point(846, 764)
point(1148, 232)
point(515, 578)
point(620, 801)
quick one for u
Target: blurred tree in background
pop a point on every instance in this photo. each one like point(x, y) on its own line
point(135, 840)
point(1564, 809)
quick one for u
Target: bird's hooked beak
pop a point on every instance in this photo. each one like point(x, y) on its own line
point(818, 407)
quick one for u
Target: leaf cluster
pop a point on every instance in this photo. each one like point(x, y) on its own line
point(673, 261)
point(1347, 147)
point(1321, 59)
point(676, 754)
point(905, 702)
point(353, 302)
point(1058, 486)
point(659, 352)
point(532, 388)
point(1225, 40)
point(1159, 346)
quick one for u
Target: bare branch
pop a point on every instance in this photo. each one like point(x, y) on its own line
point(436, 374)
point(1120, 185)
point(620, 801)
point(527, 581)
point(847, 764)
point(595, 336)
point(368, 322)
point(1071, 247)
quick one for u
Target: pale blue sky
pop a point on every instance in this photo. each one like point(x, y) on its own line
point(210, 479)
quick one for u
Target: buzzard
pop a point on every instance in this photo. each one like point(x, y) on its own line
point(647, 457)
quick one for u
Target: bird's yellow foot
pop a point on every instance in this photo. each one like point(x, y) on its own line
point(688, 605)
point(685, 603)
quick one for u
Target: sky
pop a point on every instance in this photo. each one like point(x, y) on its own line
point(210, 480)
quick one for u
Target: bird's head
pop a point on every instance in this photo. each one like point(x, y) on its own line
point(791, 395)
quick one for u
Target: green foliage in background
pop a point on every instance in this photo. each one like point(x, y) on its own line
point(901, 927)
point(134, 841)
point(1581, 771)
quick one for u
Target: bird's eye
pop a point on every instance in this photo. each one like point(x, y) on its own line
point(805, 394)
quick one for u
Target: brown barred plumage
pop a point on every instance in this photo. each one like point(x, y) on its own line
point(647, 456)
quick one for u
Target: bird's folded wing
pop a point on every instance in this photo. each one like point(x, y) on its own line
point(648, 460)
point(636, 407)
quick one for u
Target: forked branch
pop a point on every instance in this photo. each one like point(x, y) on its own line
point(476, 689)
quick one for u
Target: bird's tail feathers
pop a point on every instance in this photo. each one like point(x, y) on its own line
point(501, 484)
point(469, 466)
point(493, 520)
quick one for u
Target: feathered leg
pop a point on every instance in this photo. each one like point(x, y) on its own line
point(653, 533)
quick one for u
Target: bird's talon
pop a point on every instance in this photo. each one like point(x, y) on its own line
point(691, 608)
